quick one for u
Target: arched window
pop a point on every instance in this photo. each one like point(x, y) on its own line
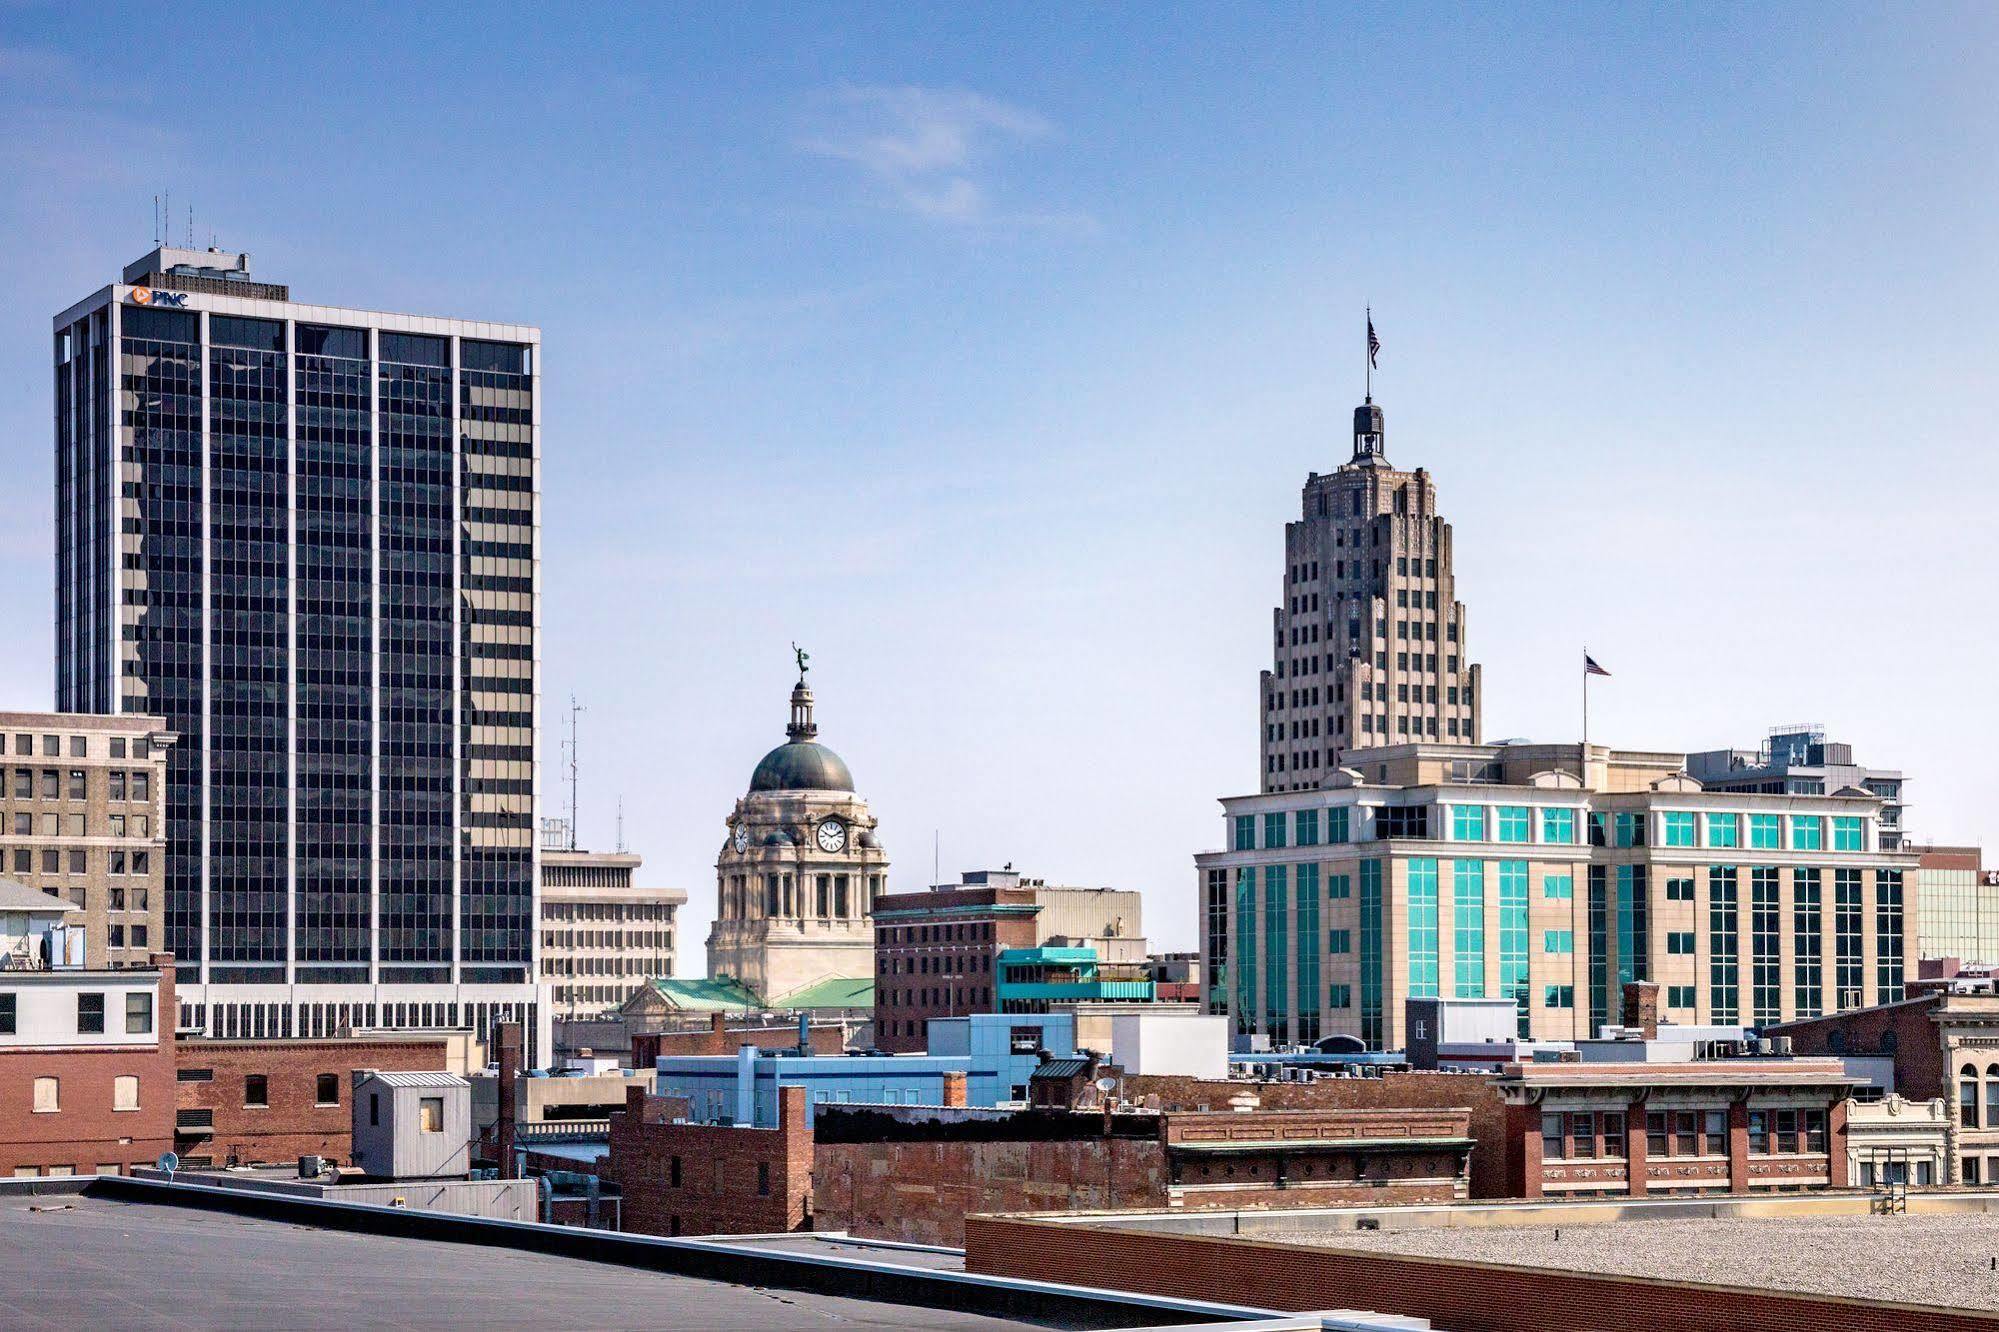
point(1992, 1093)
point(1967, 1096)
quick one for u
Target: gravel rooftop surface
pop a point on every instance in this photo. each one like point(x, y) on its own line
point(1914, 1259)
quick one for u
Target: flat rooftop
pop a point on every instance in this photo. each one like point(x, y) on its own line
point(99, 1262)
point(1935, 1258)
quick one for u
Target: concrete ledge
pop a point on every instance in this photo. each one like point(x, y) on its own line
point(734, 1263)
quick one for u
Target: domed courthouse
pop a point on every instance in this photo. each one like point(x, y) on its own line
point(799, 872)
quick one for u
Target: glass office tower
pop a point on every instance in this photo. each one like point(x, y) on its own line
point(309, 537)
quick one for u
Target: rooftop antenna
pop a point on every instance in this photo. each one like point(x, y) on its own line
point(190, 226)
point(575, 711)
point(621, 824)
point(156, 219)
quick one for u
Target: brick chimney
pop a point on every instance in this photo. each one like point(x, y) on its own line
point(954, 1088)
point(508, 1055)
point(1641, 1007)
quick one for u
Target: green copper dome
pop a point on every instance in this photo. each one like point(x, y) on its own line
point(802, 765)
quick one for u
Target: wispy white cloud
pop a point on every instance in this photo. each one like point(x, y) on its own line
point(930, 150)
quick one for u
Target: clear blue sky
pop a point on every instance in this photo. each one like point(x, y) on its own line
point(983, 349)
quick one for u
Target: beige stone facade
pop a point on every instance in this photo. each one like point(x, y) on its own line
point(1368, 644)
point(602, 935)
point(798, 873)
point(83, 818)
point(1494, 872)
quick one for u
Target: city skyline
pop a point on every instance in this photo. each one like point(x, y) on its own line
point(993, 392)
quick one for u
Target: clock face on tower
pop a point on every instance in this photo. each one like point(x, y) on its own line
point(832, 835)
point(742, 838)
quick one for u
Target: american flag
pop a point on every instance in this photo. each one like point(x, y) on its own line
point(1373, 345)
point(1590, 667)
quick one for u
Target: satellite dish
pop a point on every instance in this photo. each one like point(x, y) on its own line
point(168, 1163)
point(1107, 1085)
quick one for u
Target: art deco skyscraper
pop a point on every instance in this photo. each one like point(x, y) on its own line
point(309, 538)
point(1368, 643)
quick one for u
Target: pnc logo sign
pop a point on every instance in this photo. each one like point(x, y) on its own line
point(147, 296)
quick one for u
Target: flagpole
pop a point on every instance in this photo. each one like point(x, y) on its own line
point(1584, 765)
point(1367, 356)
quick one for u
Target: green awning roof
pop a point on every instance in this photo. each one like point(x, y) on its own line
point(702, 995)
point(833, 992)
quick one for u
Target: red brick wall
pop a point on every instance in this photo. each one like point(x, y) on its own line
point(86, 1132)
point(1463, 1296)
point(921, 1192)
point(1917, 1046)
point(722, 1039)
point(294, 1124)
point(718, 1189)
point(1475, 1092)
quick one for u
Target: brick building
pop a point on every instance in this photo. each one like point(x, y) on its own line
point(913, 1174)
point(1944, 1043)
point(937, 951)
point(1476, 1095)
point(271, 1102)
point(86, 1069)
point(1726, 1125)
point(710, 1179)
point(83, 818)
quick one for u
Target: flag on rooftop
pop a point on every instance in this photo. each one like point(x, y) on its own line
point(1590, 667)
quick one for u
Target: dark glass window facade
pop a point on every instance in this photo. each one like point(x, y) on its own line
point(335, 691)
point(249, 620)
point(418, 505)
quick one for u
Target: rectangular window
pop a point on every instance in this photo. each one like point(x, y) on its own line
point(1807, 919)
point(1559, 887)
point(1243, 960)
point(1308, 827)
point(9, 1014)
point(1339, 825)
point(1680, 943)
point(1559, 996)
point(1724, 964)
point(1558, 826)
point(1554, 1141)
point(1630, 827)
point(1680, 889)
point(1724, 830)
point(1766, 832)
point(1888, 936)
point(326, 1089)
point(1371, 946)
point(1680, 996)
point(1339, 996)
point(1558, 941)
point(1766, 926)
point(1339, 887)
point(1759, 1132)
point(1245, 832)
point(1849, 834)
point(1273, 830)
point(1849, 911)
point(256, 1089)
point(1468, 926)
point(1277, 952)
point(1807, 832)
point(1306, 881)
point(1467, 823)
point(430, 1114)
point(138, 1013)
point(1676, 828)
point(48, 1096)
point(1339, 941)
point(125, 1092)
point(90, 1013)
point(763, 1179)
point(1513, 962)
point(1423, 939)
point(1516, 823)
